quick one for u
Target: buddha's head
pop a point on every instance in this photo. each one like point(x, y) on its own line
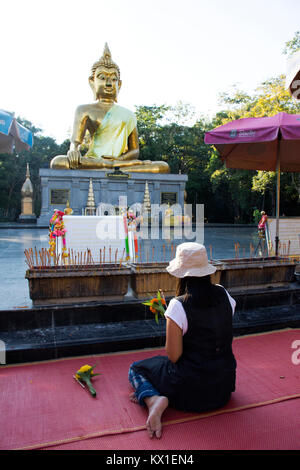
point(105, 77)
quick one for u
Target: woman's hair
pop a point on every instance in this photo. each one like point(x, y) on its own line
point(198, 290)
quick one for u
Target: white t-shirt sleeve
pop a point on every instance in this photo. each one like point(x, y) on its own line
point(175, 312)
point(231, 300)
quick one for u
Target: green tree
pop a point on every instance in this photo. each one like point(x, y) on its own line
point(13, 170)
point(269, 98)
point(264, 183)
point(293, 45)
point(149, 123)
point(168, 133)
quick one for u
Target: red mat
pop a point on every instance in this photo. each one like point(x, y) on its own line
point(42, 406)
point(273, 427)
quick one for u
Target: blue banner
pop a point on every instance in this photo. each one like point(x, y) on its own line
point(5, 122)
point(25, 135)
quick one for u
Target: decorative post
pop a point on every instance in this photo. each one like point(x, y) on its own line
point(90, 206)
point(27, 214)
point(146, 206)
point(146, 200)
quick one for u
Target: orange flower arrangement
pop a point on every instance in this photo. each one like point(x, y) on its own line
point(157, 305)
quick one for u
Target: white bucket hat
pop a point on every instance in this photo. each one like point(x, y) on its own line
point(190, 260)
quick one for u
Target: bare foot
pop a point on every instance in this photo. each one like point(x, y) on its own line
point(133, 398)
point(156, 406)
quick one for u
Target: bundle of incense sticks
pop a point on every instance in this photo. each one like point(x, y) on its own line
point(237, 248)
point(172, 251)
point(270, 247)
point(41, 259)
point(286, 249)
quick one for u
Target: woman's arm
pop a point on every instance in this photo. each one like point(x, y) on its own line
point(173, 340)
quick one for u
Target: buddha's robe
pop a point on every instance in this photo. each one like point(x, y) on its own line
point(111, 137)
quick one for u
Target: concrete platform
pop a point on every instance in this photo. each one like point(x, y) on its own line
point(58, 186)
point(53, 332)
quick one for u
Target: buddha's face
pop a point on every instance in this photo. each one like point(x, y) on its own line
point(106, 84)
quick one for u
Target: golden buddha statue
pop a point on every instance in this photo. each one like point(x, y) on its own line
point(112, 128)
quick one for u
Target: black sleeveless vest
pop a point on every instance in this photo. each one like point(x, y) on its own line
point(204, 376)
point(210, 329)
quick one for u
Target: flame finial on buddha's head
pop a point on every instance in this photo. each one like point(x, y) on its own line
point(105, 61)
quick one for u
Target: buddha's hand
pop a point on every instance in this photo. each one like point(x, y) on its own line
point(74, 157)
point(108, 157)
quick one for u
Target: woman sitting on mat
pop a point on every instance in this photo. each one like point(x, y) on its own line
point(198, 373)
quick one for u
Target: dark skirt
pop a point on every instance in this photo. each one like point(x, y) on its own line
point(189, 386)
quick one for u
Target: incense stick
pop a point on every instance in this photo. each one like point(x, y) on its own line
point(42, 259)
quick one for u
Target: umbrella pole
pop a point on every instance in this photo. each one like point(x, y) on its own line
point(277, 199)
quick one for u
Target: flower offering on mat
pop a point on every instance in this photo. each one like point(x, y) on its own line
point(85, 374)
point(157, 305)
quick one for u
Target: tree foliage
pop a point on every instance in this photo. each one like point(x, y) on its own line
point(293, 45)
point(270, 98)
point(13, 170)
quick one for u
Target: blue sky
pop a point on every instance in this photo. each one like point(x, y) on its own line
point(167, 50)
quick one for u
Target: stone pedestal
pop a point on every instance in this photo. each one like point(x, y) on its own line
point(60, 186)
point(27, 219)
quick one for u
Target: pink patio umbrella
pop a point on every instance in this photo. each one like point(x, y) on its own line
point(267, 143)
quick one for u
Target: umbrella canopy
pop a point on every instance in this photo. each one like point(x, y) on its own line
point(13, 135)
point(256, 143)
point(267, 143)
